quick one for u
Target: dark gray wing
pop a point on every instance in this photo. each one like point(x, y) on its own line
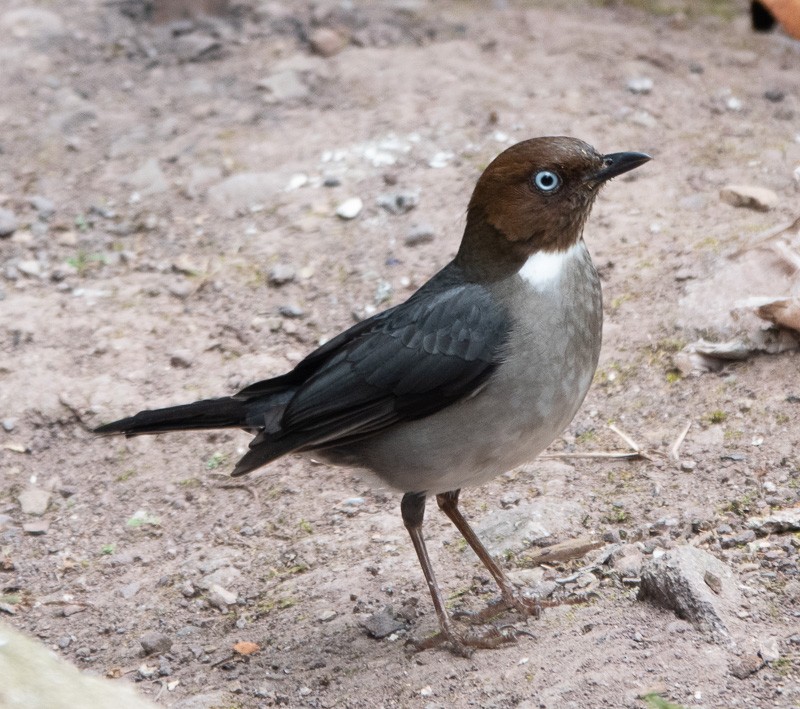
point(404, 364)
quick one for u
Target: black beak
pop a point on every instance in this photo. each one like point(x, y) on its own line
point(617, 163)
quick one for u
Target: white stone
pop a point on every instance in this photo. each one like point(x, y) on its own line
point(350, 208)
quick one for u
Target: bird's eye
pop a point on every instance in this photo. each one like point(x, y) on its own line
point(546, 180)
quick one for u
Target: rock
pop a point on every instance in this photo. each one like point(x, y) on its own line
point(181, 359)
point(129, 590)
point(245, 190)
point(280, 275)
point(23, 664)
point(350, 208)
point(220, 597)
point(43, 206)
point(769, 649)
point(528, 522)
point(154, 642)
point(398, 202)
point(291, 310)
point(678, 581)
point(34, 501)
point(419, 234)
point(746, 666)
point(8, 223)
point(327, 615)
point(287, 85)
point(31, 22)
point(628, 561)
point(30, 268)
point(383, 623)
point(640, 85)
point(148, 179)
point(750, 196)
point(327, 42)
point(563, 551)
point(787, 520)
point(8, 424)
point(36, 528)
point(774, 95)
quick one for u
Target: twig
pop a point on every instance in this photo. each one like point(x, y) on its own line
point(675, 447)
point(625, 437)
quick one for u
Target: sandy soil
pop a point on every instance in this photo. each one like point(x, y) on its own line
point(153, 282)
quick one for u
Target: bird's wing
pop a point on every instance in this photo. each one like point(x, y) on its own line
point(406, 363)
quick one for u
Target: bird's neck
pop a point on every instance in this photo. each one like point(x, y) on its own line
point(487, 255)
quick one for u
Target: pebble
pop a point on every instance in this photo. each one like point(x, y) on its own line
point(34, 501)
point(326, 616)
point(128, 591)
point(350, 208)
point(181, 289)
point(30, 268)
point(36, 528)
point(181, 359)
point(31, 22)
point(154, 642)
point(750, 196)
point(220, 597)
point(280, 275)
point(419, 234)
point(8, 222)
point(291, 310)
point(774, 95)
point(786, 520)
point(398, 202)
point(284, 85)
point(441, 159)
point(640, 85)
point(8, 424)
point(327, 42)
point(746, 666)
point(43, 206)
point(383, 623)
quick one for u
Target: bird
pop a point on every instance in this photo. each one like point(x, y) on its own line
point(476, 373)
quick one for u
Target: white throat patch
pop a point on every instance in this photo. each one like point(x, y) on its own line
point(543, 269)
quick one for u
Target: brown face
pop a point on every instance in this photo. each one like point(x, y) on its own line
point(538, 193)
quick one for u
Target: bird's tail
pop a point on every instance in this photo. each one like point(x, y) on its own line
point(226, 412)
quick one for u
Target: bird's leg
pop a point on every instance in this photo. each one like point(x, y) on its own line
point(412, 509)
point(510, 597)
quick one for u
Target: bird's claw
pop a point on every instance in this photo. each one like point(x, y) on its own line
point(528, 607)
point(486, 637)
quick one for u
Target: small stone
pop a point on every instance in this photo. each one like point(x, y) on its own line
point(8, 223)
point(688, 465)
point(181, 288)
point(510, 499)
point(769, 650)
point(327, 42)
point(640, 85)
point(284, 85)
point(187, 589)
point(419, 234)
point(383, 623)
point(220, 597)
point(130, 590)
point(34, 501)
point(398, 202)
point(750, 196)
point(774, 95)
point(786, 520)
point(30, 267)
point(31, 22)
point(181, 359)
point(326, 616)
point(350, 208)
point(746, 666)
point(64, 642)
point(331, 181)
point(733, 104)
point(8, 424)
point(281, 274)
point(291, 310)
point(36, 528)
point(43, 206)
point(154, 642)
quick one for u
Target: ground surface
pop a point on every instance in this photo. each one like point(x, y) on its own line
point(149, 284)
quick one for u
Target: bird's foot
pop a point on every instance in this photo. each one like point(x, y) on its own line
point(509, 601)
point(486, 637)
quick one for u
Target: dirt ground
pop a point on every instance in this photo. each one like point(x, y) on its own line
point(175, 189)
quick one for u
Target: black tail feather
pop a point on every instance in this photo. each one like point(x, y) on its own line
point(226, 412)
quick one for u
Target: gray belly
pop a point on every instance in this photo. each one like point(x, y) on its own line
point(519, 411)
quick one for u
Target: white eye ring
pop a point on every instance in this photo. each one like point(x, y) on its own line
point(546, 181)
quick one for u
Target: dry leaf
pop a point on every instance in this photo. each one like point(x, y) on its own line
point(246, 648)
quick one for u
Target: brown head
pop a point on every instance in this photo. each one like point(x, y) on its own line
point(535, 196)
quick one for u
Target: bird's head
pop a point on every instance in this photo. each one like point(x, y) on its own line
point(536, 196)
